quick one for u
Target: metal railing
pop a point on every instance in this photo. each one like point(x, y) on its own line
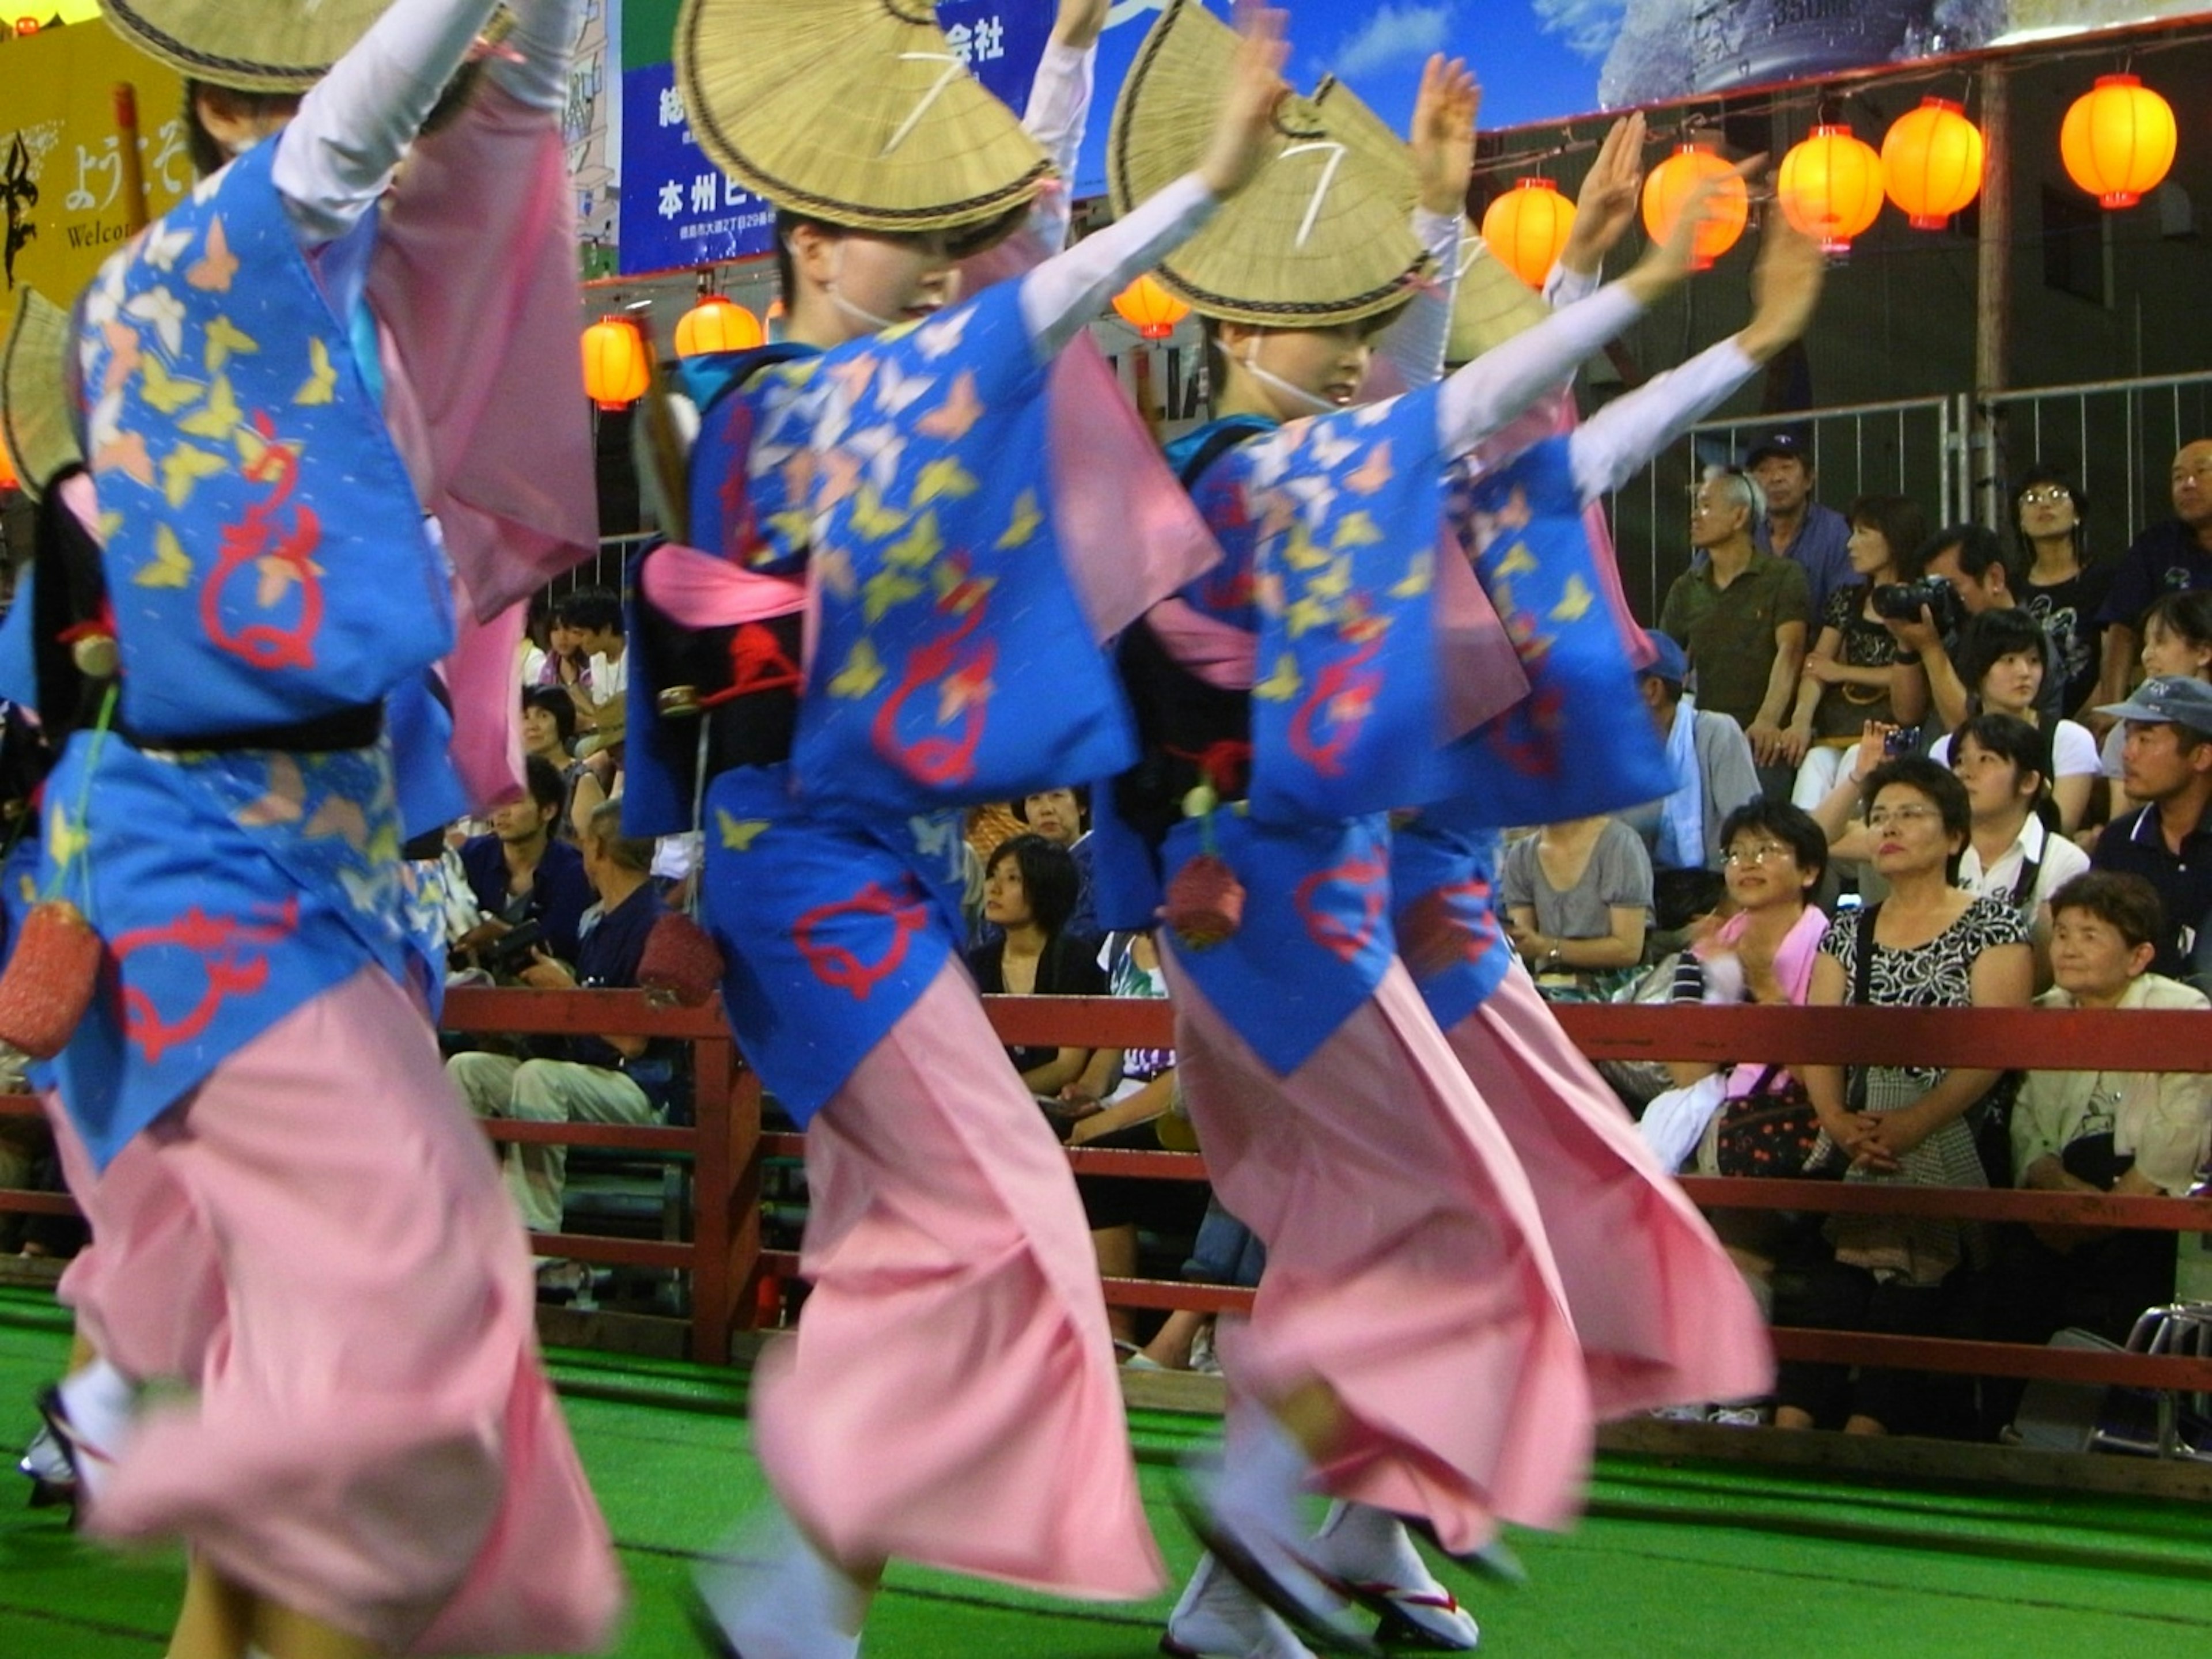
point(2114, 437)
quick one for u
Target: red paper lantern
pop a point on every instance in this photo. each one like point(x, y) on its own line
point(2117, 139)
point(1831, 186)
point(1526, 229)
point(617, 370)
point(8, 479)
point(1149, 308)
point(1931, 162)
point(717, 322)
point(1668, 186)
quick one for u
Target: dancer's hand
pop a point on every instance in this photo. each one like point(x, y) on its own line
point(1443, 133)
point(1785, 286)
point(1243, 136)
point(1605, 206)
point(1079, 23)
point(1667, 262)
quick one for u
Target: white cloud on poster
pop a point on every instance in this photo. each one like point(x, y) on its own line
point(1588, 27)
point(1395, 34)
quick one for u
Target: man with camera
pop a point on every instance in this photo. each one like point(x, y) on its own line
point(1964, 575)
point(1742, 615)
point(591, 1079)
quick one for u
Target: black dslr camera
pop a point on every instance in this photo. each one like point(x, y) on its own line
point(1904, 601)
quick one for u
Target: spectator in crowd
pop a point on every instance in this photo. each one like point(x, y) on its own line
point(2173, 557)
point(1710, 758)
point(2058, 585)
point(2002, 659)
point(1741, 615)
point(2102, 1132)
point(1126, 1096)
point(1029, 892)
point(1972, 560)
point(1577, 899)
point(1856, 671)
point(1931, 943)
point(522, 871)
point(597, 1079)
point(2015, 852)
point(1795, 527)
point(549, 723)
point(592, 619)
point(1062, 817)
point(2167, 840)
point(2177, 644)
point(563, 661)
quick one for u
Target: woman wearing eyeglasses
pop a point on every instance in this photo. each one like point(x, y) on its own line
point(2059, 586)
point(1931, 943)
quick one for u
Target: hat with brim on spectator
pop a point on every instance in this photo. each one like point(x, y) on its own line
point(2167, 700)
point(34, 423)
point(1785, 445)
point(1669, 662)
point(1318, 238)
point(856, 112)
point(251, 47)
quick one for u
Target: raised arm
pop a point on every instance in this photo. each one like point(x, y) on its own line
point(336, 156)
point(1059, 110)
point(535, 71)
point(1621, 438)
point(1061, 295)
point(1444, 153)
point(1606, 204)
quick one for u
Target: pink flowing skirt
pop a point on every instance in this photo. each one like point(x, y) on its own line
point(950, 1396)
point(317, 1240)
point(1406, 1267)
point(1664, 1316)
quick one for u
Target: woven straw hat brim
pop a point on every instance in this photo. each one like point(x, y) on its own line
point(1492, 306)
point(1319, 237)
point(854, 112)
point(34, 424)
point(250, 45)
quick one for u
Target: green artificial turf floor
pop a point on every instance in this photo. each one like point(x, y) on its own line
point(1683, 1560)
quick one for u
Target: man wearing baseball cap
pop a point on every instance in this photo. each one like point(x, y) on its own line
point(2168, 759)
point(1710, 758)
point(1796, 525)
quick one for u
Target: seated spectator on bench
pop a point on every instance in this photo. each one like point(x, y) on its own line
point(523, 873)
point(1128, 1097)
point(1062, 817)
point(1710, 758)
point(1930, 944)
point(2168, 840)
point(2177, 644)
point(1577, 900)
point(2001, 660)
point(593, 1079)
point(1029, 893)
point(2142, 1132)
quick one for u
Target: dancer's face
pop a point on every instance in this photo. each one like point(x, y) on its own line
point(861, 282)
point(1326, 364)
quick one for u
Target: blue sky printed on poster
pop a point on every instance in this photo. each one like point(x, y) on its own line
point(678, 209)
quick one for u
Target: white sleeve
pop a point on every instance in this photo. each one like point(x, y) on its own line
point(1059, 112)
point(1488, 392)
point(1415, 343)
point(2073, 751)
point(1620, 439)
point(1564, 288)
point(335, 157)
point(1061, 297)
point(543, 39)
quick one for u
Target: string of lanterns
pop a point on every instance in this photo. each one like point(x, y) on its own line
point(2117, 143)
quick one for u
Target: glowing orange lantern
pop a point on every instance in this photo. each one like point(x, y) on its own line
point(1668, 186)
point(1831, 186)
point(1526, 229)
point(1931, 162)
point(1149, 308)
point(8, 479)
point(717, 322)
point(616, 368)
point(2117, 139)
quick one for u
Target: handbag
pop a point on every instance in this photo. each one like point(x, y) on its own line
point(1771, 1131)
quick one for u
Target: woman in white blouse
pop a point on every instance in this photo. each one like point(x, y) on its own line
point(2001, 660)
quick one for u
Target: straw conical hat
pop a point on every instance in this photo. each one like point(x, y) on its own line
point(1492, 306)
point(255, 45)
point(1358, 125)
point(1319, 237)
point(34, 425)
point(856, 111)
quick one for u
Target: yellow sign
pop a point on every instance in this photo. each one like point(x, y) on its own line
point(64, 186)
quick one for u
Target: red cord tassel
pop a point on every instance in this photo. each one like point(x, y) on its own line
point(49, 980)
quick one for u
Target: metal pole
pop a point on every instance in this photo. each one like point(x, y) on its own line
point(1993, 274)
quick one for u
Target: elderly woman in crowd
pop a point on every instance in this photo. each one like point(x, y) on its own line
point(1930, 944)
